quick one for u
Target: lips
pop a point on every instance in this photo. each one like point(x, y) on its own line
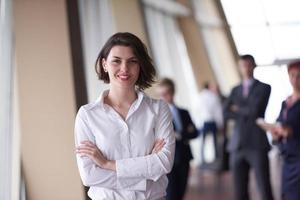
point(124, 77)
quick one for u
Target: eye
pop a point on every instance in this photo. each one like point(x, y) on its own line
point(117, 61)
point(133, 61)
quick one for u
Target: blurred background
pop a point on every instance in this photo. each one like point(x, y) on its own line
point(47, 53)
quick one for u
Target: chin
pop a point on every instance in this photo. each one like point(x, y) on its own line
point(126, 85)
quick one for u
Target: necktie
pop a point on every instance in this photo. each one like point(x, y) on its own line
point(246, 87)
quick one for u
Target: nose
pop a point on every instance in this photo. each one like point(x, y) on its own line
point(124, 67)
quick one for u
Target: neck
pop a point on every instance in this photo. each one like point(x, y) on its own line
point(171, 101)
point(121, 97)
point(247, 78)
point(296, 93)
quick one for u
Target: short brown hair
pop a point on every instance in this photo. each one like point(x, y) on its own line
point(249, 58)
point(294, 65)
point(147, 70)
point(167, 82)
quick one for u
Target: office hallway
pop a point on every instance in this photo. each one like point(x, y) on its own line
point(208, 185)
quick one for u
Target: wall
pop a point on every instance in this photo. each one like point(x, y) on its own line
point(46, 100)
point(128, 16)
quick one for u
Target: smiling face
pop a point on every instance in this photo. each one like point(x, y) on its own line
point(122, 67)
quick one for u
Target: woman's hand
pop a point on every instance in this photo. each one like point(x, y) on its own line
point(90, 150)
point(158, 145)
point(286, 131)
point(281, 132)
point(275, 133)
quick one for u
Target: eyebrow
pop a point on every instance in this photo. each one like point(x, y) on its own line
point(127, 59)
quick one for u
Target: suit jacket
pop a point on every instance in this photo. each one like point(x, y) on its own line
point(290, 147)
point(246, 134)
point(183, 151)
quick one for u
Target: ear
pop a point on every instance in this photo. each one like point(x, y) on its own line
point(103, 61)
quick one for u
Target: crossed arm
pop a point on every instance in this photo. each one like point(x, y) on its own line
point(130, 173)
point(90, 150)
point(252, 109)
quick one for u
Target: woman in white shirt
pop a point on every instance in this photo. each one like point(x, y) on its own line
point(125, 140)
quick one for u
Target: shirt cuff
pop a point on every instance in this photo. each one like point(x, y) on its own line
point(132, 184)
point(130, 174)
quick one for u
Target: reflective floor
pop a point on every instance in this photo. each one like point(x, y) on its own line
point(208, 185)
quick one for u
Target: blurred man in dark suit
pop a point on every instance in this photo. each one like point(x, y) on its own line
point(184, 130)
point(248, 145)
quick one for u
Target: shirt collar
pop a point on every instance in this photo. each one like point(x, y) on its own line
point(136, 103)
point(248, 82)
point(171, 105)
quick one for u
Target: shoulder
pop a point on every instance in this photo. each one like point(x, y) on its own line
point(155, 104)
point(283, 103)
point(235, 88)
point(263, 85)
point(88, 106)
point(84, 110)
point(182, 110)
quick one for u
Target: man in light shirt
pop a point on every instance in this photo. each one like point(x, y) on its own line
point(210, 117)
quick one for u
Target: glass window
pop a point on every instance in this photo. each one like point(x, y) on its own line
point(6, 88)
point(97, 25)
point(244, 12)
point(282, 11)
point(170, 53)
point(277, 77)
point(286, 41)
point(269, 30)
point(256, 41)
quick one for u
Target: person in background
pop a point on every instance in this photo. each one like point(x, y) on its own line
point(224, 154)
point(125, 140)
point(248, 145)
point(211, 116)
point(287, 135)
point(184, 131)
point(216, 89)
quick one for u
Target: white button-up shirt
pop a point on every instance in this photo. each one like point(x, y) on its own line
point(209, 108)
point(139, 174)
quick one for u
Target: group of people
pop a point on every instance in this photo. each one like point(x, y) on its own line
point(249, 145)
point(130, 146)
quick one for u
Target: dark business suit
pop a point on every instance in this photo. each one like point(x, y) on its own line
point(179, 175)
point(290, 149)
point(248, 145)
